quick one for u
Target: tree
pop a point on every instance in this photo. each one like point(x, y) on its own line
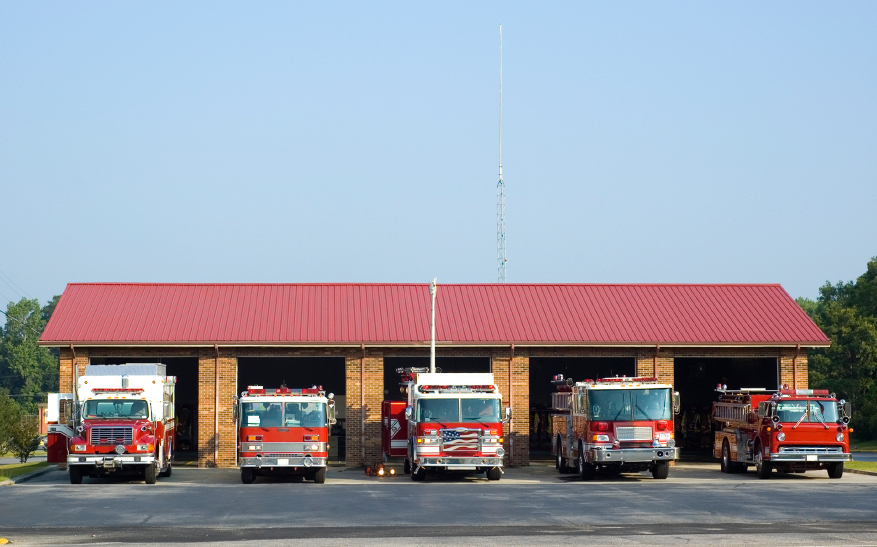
point(27, 370)
point(847, 313)
point(25, 437)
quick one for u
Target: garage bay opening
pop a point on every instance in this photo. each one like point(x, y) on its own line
point(303, 372)
point(696, 379)
point(543, 369)
point(185, 400)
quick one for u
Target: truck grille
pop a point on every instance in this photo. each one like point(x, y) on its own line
point(812, 449)
point(460, 439)
point(112, 435)
point(633, 433)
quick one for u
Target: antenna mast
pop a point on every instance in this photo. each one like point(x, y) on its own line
point(500, 188)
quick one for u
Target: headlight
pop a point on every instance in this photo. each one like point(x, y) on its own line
point(840, 437)
point(781, 436)
point(315, 447)
point(255, 447)
point(601, 438)
point(79, 448)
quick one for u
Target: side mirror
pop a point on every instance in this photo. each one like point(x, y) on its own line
point(848, 409)
point(677, 403)
point(508, 415)
point(331, 413)
point(234, 409)
point(409, 413)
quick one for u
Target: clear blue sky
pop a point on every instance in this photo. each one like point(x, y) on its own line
point(292, 142)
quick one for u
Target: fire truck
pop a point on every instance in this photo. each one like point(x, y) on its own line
point(617, 425)
point(451, 422)
point(284, 431)
point(791, 430)
point(120, 421)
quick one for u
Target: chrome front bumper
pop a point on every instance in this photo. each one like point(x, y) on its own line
point(807, 457)
point(633, 455)
point(111, 461)
point(459, 463)
point(291, 461)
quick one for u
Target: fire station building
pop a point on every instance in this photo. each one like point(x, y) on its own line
point(350, 338)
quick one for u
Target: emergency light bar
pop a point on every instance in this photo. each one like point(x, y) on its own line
point(282, 391)
point(117, 389)
point(457, 389)
point(804, 392)
point(623, 379)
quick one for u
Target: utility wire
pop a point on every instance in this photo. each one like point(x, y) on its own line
point(13, 283)
point(22, 322)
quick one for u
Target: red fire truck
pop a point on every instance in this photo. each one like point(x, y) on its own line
point(122, 422)
point(618, 425)
point(451, 422)
point(791, 430)
point(284, 431)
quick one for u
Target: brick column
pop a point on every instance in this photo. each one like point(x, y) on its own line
point(374, 395)
point(795, 376)
point(662, 359)
point(207, 393)
point(65, 373)
point(517, 438)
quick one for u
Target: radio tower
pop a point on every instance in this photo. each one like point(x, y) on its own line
point(500, 188)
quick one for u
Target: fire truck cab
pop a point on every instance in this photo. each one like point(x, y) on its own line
point(617, 425)
point(122, 422)
point(452, 422)
point(791, 430)
point(284, 431)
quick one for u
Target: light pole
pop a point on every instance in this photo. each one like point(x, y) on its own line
point(432, 290)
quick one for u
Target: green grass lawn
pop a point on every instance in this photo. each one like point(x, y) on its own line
point(11, 455)
point(862, 466)
point(863, 445)
point(15, 469)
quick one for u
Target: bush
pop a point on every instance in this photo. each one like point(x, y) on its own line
point(9, 416)
point(25, 437)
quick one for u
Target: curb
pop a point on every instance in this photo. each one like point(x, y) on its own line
point(860, 472)
point(29, 476)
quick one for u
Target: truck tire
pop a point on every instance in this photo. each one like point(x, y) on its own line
point(764, 468)
point(727, 466)
point(586, 470)
point(835, 470)
point(661, 470)
point(149, 474)
point(494, 474)
point(418, 475)
point(320, 475)
point(406, 467)
point(75, 474)
point(248, 475)
point(560, 464)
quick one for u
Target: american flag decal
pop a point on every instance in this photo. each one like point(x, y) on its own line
point(459, 439)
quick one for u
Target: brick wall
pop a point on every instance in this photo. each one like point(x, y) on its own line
point(512, 377)
point(370, 366)
point(208, 399)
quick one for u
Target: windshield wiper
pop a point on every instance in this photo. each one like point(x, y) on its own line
point(646, 414)
point(819, 417)
point(801, 419)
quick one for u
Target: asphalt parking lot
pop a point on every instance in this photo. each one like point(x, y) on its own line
point(697, 505)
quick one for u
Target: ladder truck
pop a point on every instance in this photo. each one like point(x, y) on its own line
point(616, 425)
point(120, 421)
point(451, 422)
point(284, 431)
point(790, 430)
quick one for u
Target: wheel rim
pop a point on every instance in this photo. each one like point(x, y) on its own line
point(581, 461)
point(758, 459)
point(726, 457)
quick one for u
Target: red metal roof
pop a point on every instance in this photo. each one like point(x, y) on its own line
point(586, 314)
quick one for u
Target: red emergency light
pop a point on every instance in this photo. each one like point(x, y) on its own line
point(823, 392)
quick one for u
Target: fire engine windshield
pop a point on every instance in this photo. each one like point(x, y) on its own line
point(97, 408)
point(480, 410)
point(458, 410)
point(261, 414)
point(630, 404)
point(305, 414)
point(810, 411)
